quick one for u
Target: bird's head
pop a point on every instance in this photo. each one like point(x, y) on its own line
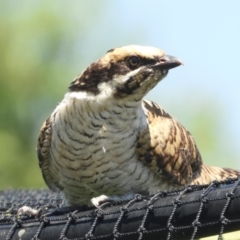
point(125, 72)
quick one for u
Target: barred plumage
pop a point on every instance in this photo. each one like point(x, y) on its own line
point(103, 138)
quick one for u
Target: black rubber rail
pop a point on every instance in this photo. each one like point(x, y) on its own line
point(194, 212)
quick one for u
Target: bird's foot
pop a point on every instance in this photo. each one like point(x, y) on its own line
point(47, 212)
point(28, 211)
point(97, 201)
point(103, 200)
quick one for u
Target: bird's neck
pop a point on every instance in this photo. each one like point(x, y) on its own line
point(116, 111)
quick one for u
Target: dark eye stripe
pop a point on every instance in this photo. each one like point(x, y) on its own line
point(134, 62)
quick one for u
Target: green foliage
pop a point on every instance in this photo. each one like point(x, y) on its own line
point(37, 55)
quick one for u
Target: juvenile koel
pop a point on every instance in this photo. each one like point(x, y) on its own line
point(104, 142)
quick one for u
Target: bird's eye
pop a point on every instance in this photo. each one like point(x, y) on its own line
point(133, 62)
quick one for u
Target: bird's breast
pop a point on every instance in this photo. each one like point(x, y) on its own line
point(95, 152)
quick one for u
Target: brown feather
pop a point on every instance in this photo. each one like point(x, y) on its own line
point(43, 147)
point(170, 150)
point(208, 174)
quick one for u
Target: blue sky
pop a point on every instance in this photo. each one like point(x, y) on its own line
point(205, 35)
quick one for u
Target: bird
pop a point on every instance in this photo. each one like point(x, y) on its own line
point(104, 142)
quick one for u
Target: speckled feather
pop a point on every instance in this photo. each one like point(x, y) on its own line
point(103, 138)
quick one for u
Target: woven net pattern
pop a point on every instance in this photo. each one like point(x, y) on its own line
point(190, 213)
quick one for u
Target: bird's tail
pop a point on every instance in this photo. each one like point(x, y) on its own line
point(208, 174)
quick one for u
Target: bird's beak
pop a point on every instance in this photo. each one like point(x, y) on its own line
point(168, 62)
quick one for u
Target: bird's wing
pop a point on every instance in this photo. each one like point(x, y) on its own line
point(43, 146)
point(167, 147)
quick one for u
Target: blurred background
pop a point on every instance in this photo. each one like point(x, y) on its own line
point(45, 44)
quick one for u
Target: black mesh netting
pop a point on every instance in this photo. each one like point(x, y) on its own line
point(195, 211)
